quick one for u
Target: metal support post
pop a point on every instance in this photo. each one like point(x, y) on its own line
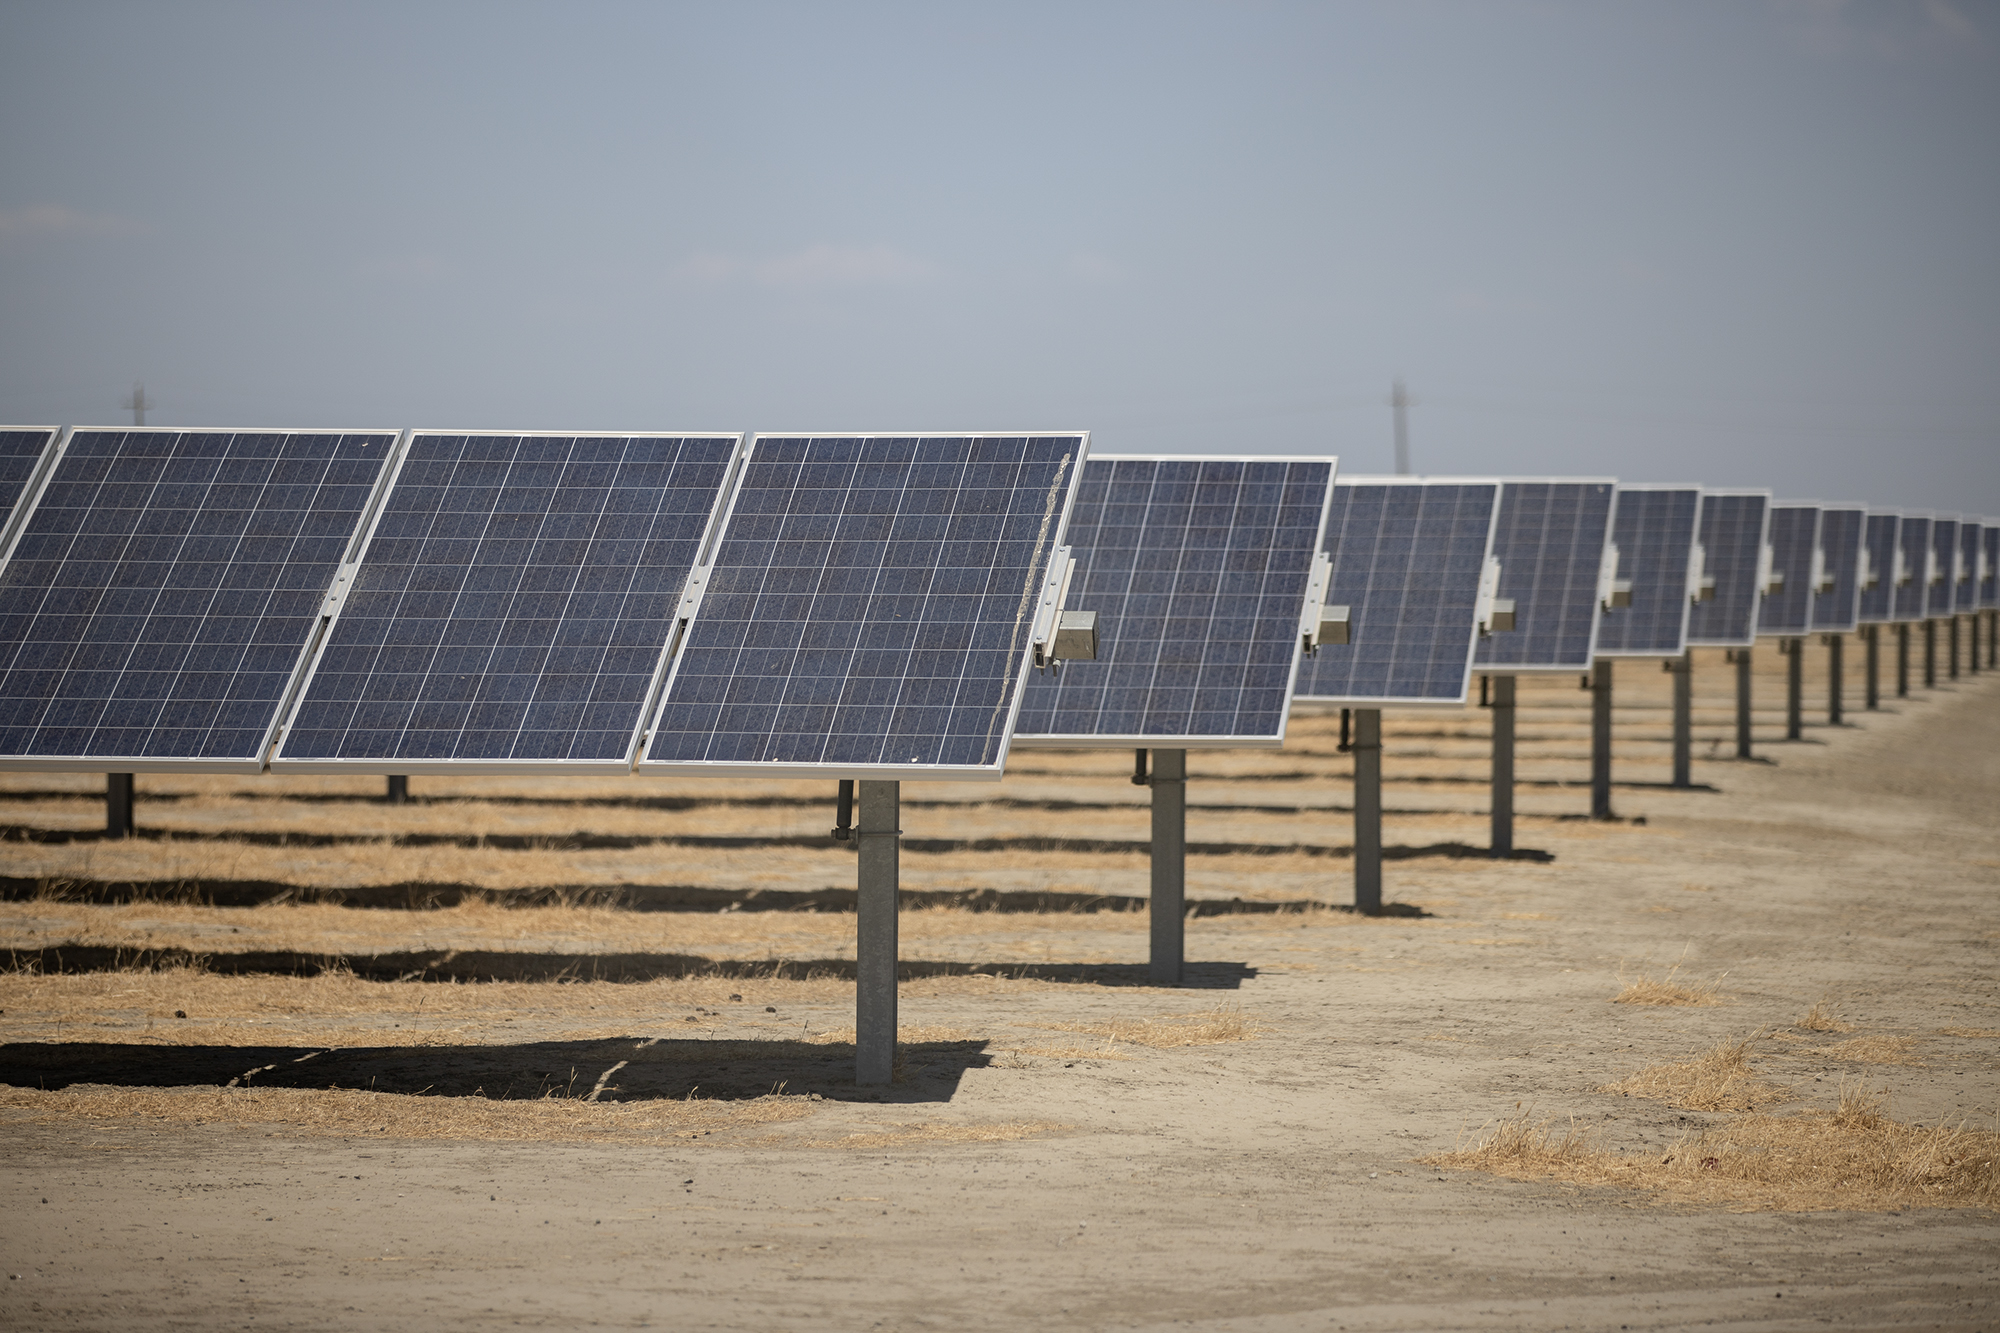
point(1795, 681)
point(1972, 643)
point(1903, 660)
point(1951, 657)
point(1872, 636)
point(1683, 669)
point(1993, 640)
point(1168, 905)
point(1502, 838)
point(1836, 712)
point(117, 805)
point(879, 839)
point(1741, 657)
point(1930, 654)
point(1600, 739)
point(1368, 810)
point(399, 789)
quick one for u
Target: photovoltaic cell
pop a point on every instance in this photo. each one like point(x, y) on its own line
point(164, 589)
point(870, 607)
point(1913, 588)
point(1840, 539)
point(513, 605)
point(1549, 541)
point(1989, 545)
point(1942, 592)
point(1407, 557)
point(1878, 603)
point(1654, 530)
point(1197, 569)
point(1732, 535)
point(1794, 538)
point(1967, 573)
point(21, 449)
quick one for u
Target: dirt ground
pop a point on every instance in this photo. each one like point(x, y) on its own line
point(283, 1110)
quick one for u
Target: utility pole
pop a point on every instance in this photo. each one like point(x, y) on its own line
point(1399, 398)
point(135, 403)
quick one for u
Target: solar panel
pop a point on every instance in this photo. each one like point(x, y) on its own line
point(1989, 568)
point(1877, 603)
point(1198, 570)
point(871, 607)
point(163, 589)
point(1550, 542)
point(1913, 583)
point(1941, 590)
point(1836, 601)
point(1787, 607)
point(513, 604)
point(1653, 529)
point(1408, 560)
point(1966, 574)
point(1734, 528)
point(21, 450)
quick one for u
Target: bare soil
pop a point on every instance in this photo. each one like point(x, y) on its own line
point(299, 1110)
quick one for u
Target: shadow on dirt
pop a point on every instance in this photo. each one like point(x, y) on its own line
point(631, 1069)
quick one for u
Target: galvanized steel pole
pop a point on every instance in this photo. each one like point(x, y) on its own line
point(878, 840)
point(1600, 739)
point(1836, 712)
point(1930, 654)
point(1953, 657)
point(1683, 669)
point(1795, 681)
point(1368, 810)
point(1872, 636)
point(1742, 658)
point(118, 805)
point(1903, 660)
point(1501, 839)
point(1168, 903)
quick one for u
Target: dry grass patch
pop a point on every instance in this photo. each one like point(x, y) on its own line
point(1874, 1050)
point(1047, 1052)
point(1669, 990)
point(1977, 1034)
point(1820, 1018)
point(343, 1114)
point(1207, 1027)
point(924, 1136)
point(1855, 1157)
point(904, 1036)
point(1719, 1079)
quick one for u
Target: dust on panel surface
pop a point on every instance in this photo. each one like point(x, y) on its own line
point(166, 585)
point(871, 603)
point(1407, 559)
point(1197, 570)
point(1550, 543)
point(514, 600)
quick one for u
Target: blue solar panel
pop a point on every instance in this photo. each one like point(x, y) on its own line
point(1941, 594)
point(1407, 557)
point(1913, 582)
point(1732, 535)
point(1966, 574)
point(1654, 530)
point(870, 608)
point(164, 588)
point(21, 448)
point(1840, 532)
point(1549, 541)
point(1989, 577)
point(1794, 541)
point(513, 605)
point(1878, 598)
point(1197, 569)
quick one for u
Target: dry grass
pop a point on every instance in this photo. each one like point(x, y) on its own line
point(905, 1035)
point(1820, 1018)
point(1977, 1034)
point(1207, 1027)
point(1876, 1050)
point(926, 1136)
point(1854, 1157)
point(1719, 1079)
point(346, 1114)
point(1668, 990)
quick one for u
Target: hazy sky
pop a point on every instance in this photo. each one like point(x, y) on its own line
point(1740, 243)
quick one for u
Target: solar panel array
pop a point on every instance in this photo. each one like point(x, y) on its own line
point(1407, 559)
point(1913, 590)
point(1654, 531)
point(1549, 541)
point(1794, 539)
point(1840, 539)
point(870, 607)
point(21, 448)
point(1942, 592)
point(1966, 574)
point(164, 587)
point(1197, 569)
point(513, 604)
point(1877, 604)
point(1732, 534)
